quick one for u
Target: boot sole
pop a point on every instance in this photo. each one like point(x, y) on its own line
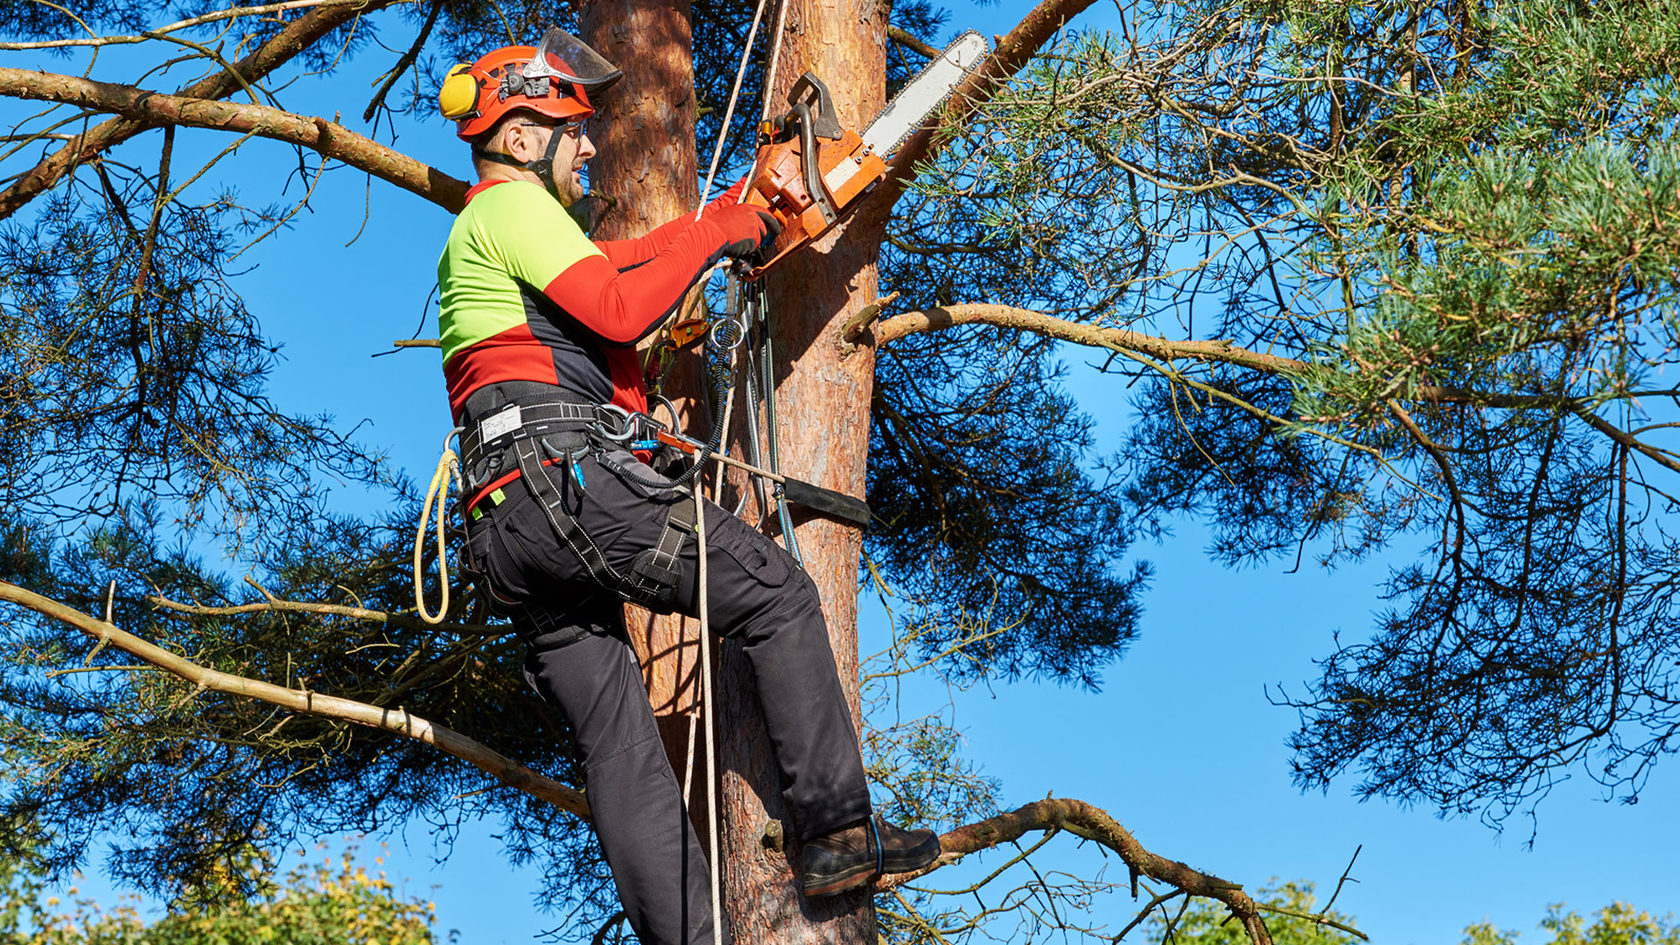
point(839, 882)
point(864, 872)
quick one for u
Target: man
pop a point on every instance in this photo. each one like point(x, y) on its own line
point(539, 327)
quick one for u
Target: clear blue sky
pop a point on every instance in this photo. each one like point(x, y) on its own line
point(1181, 745)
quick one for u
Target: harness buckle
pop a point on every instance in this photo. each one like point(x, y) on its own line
point(633, 431)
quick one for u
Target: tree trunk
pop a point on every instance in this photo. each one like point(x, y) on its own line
point(646, 168)
point(822, 402)
point(647, 163)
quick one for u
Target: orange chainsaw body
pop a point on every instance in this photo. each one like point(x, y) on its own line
point(810, 171)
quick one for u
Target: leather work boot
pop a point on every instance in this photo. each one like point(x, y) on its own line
point(851, 856)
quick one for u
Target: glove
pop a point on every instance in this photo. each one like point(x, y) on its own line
point(747, 230)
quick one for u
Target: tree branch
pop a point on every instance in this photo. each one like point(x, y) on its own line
point(276, 605)
point(1223, 351)
point(397, 721)
point(154, 34)
point(909, 41)
point(299, 35)
point(1093, 824)
point(146, 108)
point(404, 62)
point(1096, 336)
point(1012, 52)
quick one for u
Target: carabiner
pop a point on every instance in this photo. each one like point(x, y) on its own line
point(627, 429)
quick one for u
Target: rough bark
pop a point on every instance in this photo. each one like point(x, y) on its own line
point(823, 405)
point(646, 169)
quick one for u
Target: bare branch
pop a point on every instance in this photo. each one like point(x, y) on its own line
point(1097, 336)
point(146, 108)
point(1012, 52)
point(1224, 351)
point(276, 605)
point(213, 17)
point(299, 35)
point(397, 721)
point(904, 38)
point(1092, 823)
point(407, 60)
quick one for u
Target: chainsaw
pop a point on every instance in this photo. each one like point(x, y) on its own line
point(810, 172)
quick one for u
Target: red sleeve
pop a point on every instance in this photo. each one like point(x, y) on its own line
point(624, 254)
point(622, 307)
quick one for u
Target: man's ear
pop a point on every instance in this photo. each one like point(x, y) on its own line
point(515, 135)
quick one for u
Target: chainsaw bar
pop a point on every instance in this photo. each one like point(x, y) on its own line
point(926, 92)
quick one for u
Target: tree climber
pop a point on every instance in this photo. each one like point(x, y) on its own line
point(539, 327)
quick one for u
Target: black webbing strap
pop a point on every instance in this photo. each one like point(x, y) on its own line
point(654, 572)
point(567, 527)
point(496, 432)
point(660, 567)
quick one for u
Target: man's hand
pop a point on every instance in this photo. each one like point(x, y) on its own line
point(747, 230)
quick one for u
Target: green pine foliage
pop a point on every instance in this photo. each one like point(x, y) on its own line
point(332, 901)
point(1440, 242)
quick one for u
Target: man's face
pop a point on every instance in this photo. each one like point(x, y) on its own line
point(528, 140)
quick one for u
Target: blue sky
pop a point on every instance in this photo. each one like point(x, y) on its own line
point(1181, 745)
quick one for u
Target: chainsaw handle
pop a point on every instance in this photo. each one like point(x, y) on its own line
point(812, 93)
point(810, 150)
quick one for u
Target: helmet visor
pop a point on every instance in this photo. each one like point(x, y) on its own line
point(569, 59)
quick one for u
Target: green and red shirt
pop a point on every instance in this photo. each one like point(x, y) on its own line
point(526, 296)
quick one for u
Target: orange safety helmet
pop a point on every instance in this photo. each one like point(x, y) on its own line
point(553, 79)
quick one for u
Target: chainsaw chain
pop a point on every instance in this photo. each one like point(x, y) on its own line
point(925, 70)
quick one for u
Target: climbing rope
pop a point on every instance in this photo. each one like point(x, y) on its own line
point(707, 709)
point(448, 470)
point(729, 110)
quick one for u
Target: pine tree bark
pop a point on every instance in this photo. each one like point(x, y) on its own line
point(822, 400)
point(646, 170)
point(647, 165)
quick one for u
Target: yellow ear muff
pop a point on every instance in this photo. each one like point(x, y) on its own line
point(458, 96)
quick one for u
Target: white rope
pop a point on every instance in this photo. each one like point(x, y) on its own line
point(707, 681)
point(707, 698)
point(688, 769)
point(729, 111)
point(770, 73)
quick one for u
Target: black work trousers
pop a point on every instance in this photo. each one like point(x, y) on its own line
point(756, 594)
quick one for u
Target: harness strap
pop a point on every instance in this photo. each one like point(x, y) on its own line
point(653, 573)
point(660, 567)
point(497, 431)
point(567, 527)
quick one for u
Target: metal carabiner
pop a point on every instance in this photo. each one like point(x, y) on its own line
point(727, 333)
point(626, 431)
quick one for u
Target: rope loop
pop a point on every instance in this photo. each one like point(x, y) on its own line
point(448, 470)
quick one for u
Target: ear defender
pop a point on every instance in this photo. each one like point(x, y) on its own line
point(458, 96)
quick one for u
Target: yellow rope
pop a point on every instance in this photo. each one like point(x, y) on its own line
point(448, 468)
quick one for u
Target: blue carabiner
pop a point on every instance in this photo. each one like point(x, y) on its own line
point(577, 470)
